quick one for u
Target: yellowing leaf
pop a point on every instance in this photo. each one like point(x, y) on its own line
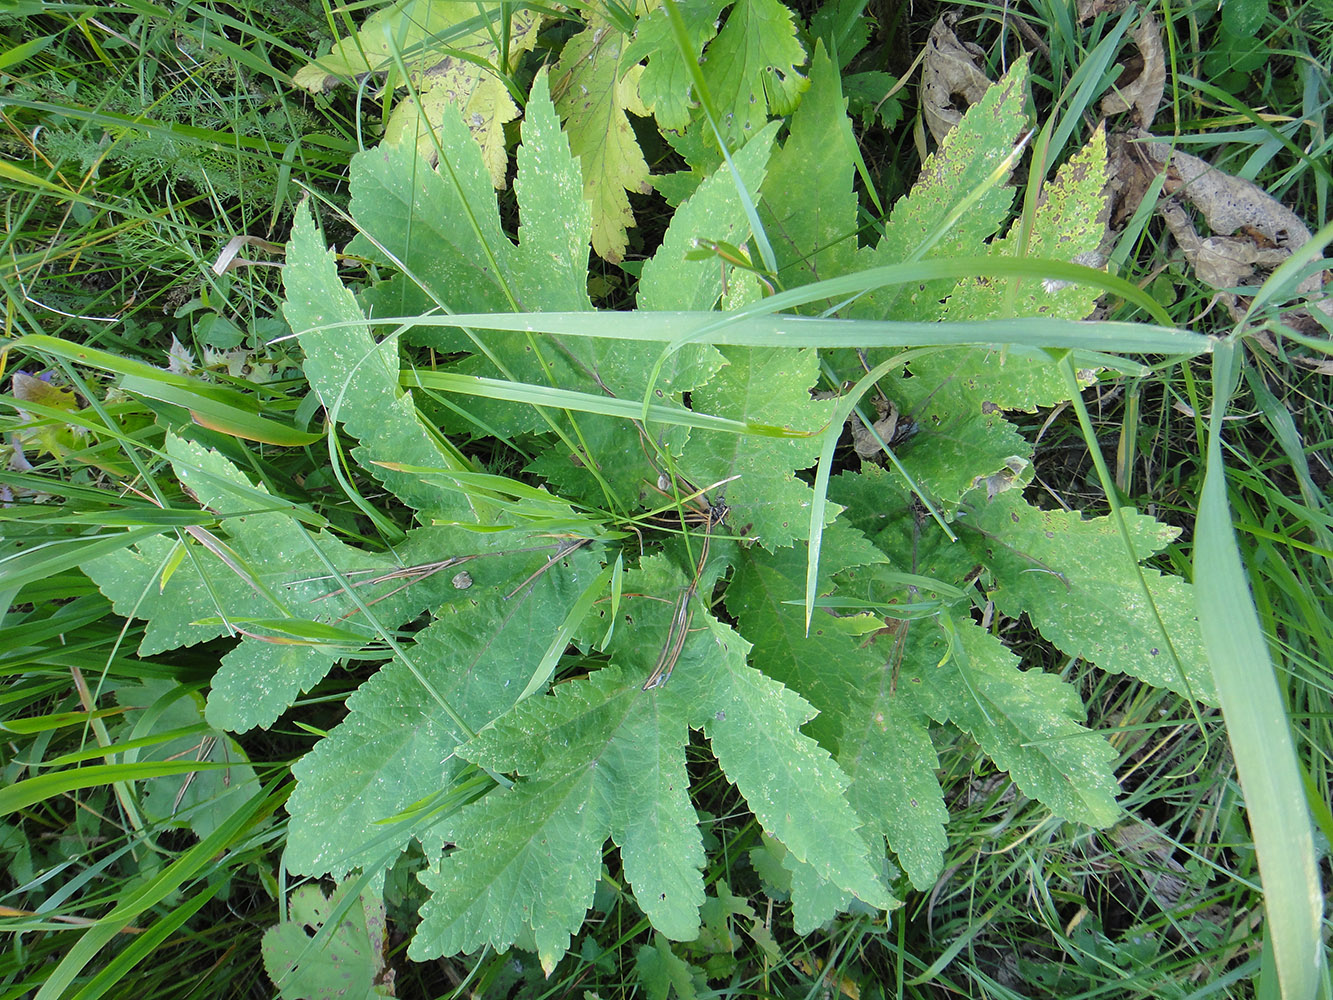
point(1067, 225)
point(592, 92)
point(449, 51)
point(50, 437)
point(486, 111)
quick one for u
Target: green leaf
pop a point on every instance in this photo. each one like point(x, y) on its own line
point(750, 68)
point(443, 228)
point(605, 758)
point(1028, 722)
point(357, 379)
point(395, 747)
point(809, 208)
point(202, 800)
point(352, 959)
point(594, 85)
point(843, 28)
point(790, 783)
point(661, 970)
point(1078, 586)
point(879, 739)
point(551, 266)
point(767, 501)
point(266, 570)
point(753, 67)
point(867, 98)
point(959, 200)
point(961, 436)
point(667, 84)
point(672, 281)
point(619, 772)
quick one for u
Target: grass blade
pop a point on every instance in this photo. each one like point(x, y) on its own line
point(1257, 723)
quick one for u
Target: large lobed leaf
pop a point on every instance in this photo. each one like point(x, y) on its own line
point(605, 758)
point(265, 566)
point(396, 747)
point(441, 228)
point(879, 739)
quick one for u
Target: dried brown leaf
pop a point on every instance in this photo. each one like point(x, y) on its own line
point(950, 79)
point(1143, 80)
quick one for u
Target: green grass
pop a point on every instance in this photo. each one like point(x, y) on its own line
point(108, 895)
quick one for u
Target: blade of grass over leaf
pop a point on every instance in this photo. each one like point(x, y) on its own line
point(681, 35)
point(930, 270)
point(678, 329)
point(568, 399)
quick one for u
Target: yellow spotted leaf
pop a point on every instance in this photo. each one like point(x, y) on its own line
point(594, 86)
point(449, 52)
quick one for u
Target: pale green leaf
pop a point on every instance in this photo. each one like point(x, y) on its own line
point(356, 378)
point(347, 967)
point(1027, 721)
point(814, 899)
point(1068, 225)
point(809, 208)
point(555, 221)
point(714, 212)
point(396, 747)
point(445, 48)
point(442, 227)
point(768, 502)
point(272, 572)
point(1078, 586)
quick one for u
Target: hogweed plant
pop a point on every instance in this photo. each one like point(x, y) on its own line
point(664, 546)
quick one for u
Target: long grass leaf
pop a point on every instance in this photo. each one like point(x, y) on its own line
point(166, 883)
point(1257, 723)
point(46, 786)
